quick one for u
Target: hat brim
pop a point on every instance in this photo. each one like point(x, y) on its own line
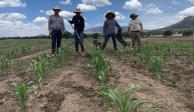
point(78, 12)
point(110, 15)
point(131, 16)
point(56, 9)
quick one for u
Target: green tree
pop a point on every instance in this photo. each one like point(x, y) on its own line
point(187, 33)
point(168, 33)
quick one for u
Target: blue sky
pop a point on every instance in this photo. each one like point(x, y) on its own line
point(29, 17)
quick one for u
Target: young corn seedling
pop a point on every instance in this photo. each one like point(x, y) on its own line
point(155, 65)
point(123, 102)
point(4, 66)
point(39, 71)
point(21, 94)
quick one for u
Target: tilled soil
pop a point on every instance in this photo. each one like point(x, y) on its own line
point(167, 98)
point(72, 89)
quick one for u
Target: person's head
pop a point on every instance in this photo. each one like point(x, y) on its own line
point(134, 16)
point(110, 15)
point(56, 10)
point(78, 12)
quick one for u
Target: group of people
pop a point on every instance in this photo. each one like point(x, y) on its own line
point(111, 29)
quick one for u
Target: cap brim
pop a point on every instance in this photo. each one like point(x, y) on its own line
point(78, 12)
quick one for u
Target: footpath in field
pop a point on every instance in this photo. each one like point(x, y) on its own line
point(72, 89)
point(167, 98)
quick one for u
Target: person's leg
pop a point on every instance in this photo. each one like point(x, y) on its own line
point(81, 41)
point(59, 38)
point(106, 38)
point(114, 41)
point(133, 39)
point(53, 37)
point(76, 43)
point(139, 39)
point(121, 40)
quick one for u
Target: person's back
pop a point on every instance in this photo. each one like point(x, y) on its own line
point(110, 26)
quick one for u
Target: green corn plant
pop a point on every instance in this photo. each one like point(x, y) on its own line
point(62, 53)
point(4, 65)
point(123, 102)
point(155, 65)
point(39, 71)
point(21, 94)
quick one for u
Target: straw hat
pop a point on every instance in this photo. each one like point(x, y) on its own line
point(78, 10)
point(110, 15)
point(133, 15)
point(56, 8)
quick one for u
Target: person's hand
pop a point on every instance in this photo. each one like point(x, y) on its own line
point(50, 35)
point(69, 21)
point(129, 34)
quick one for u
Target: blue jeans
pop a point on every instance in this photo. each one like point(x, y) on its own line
point(79, 41)
point(56, 40)
point(107, 36)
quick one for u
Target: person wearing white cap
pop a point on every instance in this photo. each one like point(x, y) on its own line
point(56, 28)
point(135, 29)
point(79, 25)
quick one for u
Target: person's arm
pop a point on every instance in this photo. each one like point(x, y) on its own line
point(117, 25)
point(104, 27)
point(72, 21)
point(63, 26)
point(141, 25)
point(129, 29)
point(83, 23)
point(49, 26)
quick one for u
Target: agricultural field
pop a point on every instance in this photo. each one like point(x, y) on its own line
point(158, 77)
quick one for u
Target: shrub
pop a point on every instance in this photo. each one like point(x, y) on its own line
point(168, 33)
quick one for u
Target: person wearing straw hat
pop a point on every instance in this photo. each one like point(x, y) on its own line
point(109, 29)
point(79, 25)
point(56, 28)
point(135, 30)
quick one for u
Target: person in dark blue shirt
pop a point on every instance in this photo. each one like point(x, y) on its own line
point(79, 25)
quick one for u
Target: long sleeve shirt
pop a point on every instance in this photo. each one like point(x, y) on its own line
point(110, 26)
point(79, 23)
point(56, 23)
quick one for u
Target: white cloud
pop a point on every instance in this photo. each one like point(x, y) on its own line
point(132, 4)
point(42, 20)
point(19, 28)
point(12, 16)
point(12, 3)
point(99, 3)
point(62, 13)
point(65, 2)
point(119, 16)
point(152, 9)
point(85, 7)
point(186, 12)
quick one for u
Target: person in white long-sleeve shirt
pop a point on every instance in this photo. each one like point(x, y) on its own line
point(56, 29)
point(135, 30)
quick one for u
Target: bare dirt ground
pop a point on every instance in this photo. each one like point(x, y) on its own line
point(168, 98)
point(73, 88)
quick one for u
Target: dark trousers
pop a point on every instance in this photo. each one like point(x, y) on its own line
point(113, 39)
point(79, 41)
point(56, 40)
point(122, 41)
